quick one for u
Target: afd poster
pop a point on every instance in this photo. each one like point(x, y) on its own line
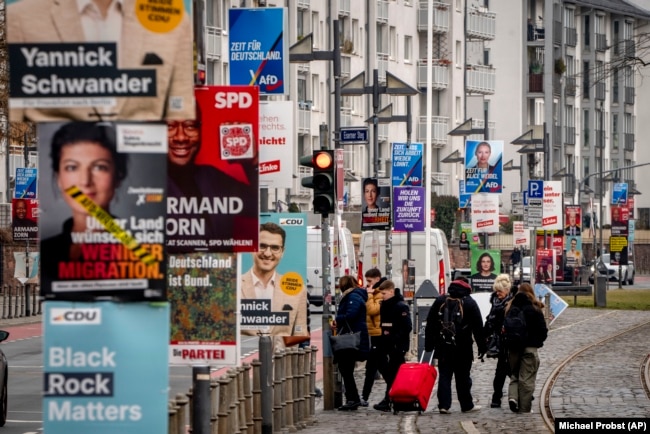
point(104, 199)
point(485, 265)
point(135, 67)
point(407, 165)
point(259, 49)
point(464, 199)
point(105, 367)
point(26, 183)
point(483, 166)
point(202, 293)
point(212, 177)
point(273, 288)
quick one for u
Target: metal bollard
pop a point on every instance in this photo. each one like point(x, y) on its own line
point(288, 390)
point(266, 384)
point(181, 403)
point(248, 397)
point(257, 397)
point(223, 405)
point(172, 412)
point(278, 369)
point(243, 428)
point(201, 405)
point(214, 405)
point(298, 398)
point(233, 413)
point(312, 381)
point(306, 386)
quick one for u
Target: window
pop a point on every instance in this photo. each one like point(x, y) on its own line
point(301, 26)
point(614, 131)
point(585, 79)
point(585, 169)
point(459, 110)
point(314, 29)
point(586, 30)
point(585, 128)
point(569, 18)
point(302, 89)
point(382, 39)
point(615, 85)
point(408, 48)
point(486, 56)
point(459, 54)
point(356, 42)
point(392, 43)
point(315, 92)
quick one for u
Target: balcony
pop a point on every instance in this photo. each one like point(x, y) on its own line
point(601, 42)
point(439, 129)
point(304, 120)
point(382, 66)
point(570, 86)
point(557, 84)
point(302, 5)
point(440, 17)
point(443, 178)
point(557, 32)
point(440, 74)
point(557, 134)
point(570, 135)
point(629, 95)
point(571, 36)
point(536, 31)
point(480, 123)
point(303, 68)
point(213, 39)
point(344, 8)
point(382, 11)
point(536, 83)
point(629, 48)
point(481, 24)
point(481, 79)
point(346, 116)
point(629, 141)
point(382, 132)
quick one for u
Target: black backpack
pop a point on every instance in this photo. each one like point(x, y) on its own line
point(515, 331)
point(451, 318)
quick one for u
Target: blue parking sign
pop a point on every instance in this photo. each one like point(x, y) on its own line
point(535, 189)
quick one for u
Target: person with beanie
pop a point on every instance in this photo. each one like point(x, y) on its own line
point(500, 296)
point(395, 341)
point(455, 360)
point(376, 360)
point(351, 317)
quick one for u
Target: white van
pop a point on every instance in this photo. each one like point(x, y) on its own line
point(346, 256)
point(440, 265)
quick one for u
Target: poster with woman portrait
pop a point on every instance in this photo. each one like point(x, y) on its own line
point(485, 265)
point(483, 166)
point(376, 204)
point(104, 199)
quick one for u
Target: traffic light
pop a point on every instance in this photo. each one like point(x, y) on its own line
point(323, 180)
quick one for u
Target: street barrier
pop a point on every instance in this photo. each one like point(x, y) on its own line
point(236, 402)
point(20, 301)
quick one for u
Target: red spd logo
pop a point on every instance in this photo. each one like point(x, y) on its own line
point(236, 141)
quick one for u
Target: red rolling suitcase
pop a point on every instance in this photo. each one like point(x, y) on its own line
point(413, 385)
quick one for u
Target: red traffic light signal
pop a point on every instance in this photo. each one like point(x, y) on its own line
point(323, 180)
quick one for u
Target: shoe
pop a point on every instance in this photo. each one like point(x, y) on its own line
point(350, 406)
point(495, 404)
point(444, 411)
point(382, 406)
point(513, 405)
point(475, 408)
point(364, 403)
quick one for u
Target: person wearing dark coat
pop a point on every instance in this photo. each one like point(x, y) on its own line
point(499, 298)
point(524, 364)
point(396, 327)
point(351, 317)
point(456, 360)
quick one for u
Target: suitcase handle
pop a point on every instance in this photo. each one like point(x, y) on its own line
point(430, 358)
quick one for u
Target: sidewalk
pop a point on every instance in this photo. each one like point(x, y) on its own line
point(573, 330)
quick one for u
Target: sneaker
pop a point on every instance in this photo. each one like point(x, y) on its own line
point(444, 411)
point(495, 404)
point(382, 406)
point(475, 408)
point(349, 406)
point(364, 403)
point(513, 405)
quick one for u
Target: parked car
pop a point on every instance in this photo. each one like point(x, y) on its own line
point(609, 270)
point(461, 272)
point(522, 271)
point(4, 370)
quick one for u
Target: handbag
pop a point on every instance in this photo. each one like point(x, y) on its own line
point(493, 346)
point(346, 341)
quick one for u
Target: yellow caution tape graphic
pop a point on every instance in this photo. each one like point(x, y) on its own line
point(110, 225)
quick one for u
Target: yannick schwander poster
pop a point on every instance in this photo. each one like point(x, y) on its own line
point(104, 199)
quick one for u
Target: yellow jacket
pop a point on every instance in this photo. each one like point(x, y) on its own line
point(372, 313)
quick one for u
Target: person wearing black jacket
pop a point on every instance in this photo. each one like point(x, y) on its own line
point(351, 317)
point(524, 364)
point(499, 298)
point(455, 360)
point(396, 326)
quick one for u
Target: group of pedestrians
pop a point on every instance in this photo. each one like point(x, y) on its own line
point(381, 315)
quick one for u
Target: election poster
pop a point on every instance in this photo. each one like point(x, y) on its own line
point(272, 286)
point(135, 65)
point(376, 213)
point(24, 219)
point(27, 266)
point(105, 367)
point(259, 48)
point(464, 199)
point(466, 236)
point(485, 266)
point(552, 206)
point(26, 183)
point(202, 293)
point(212, 178)
point(521, 235)
point(276, 144)
point(485, 213)
point(545, 262)
point(556, 306)
point(483, 166)
point(104, 199)
point(407, 165)
point(408, 208)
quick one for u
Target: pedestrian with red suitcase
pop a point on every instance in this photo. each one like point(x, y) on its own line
point(452, 321)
